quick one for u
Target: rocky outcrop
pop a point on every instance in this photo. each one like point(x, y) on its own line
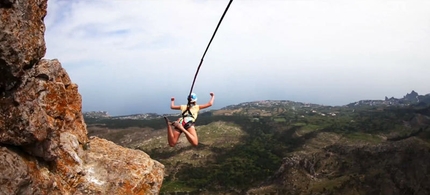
point(21, 39)
point(413, 96)
point(44, 148)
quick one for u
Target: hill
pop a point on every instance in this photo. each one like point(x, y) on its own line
point(285, 147)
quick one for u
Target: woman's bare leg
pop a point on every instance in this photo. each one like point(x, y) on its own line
point(190, 133)
point(172, 135)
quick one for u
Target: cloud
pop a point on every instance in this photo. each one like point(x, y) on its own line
point(132, 56)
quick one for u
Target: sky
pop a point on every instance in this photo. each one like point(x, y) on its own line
point(132, 56)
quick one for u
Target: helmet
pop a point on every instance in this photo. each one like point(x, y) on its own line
point(192, 97)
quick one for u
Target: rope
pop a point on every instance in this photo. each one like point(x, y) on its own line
point(201, 61)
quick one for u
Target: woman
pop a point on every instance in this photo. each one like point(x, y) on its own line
point(185, 124)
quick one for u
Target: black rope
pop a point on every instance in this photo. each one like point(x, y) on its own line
point(201, 61)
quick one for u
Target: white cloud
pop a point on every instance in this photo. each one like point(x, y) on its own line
point(136, 54)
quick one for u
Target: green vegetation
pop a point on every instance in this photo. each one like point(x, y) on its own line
point(241, 150)
point(279, 119)
point(368, 138)
point(125, 123)
point(169, 186)
point(329, 184)
point(237, 165)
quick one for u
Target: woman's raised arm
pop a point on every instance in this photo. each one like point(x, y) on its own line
point(209, 104)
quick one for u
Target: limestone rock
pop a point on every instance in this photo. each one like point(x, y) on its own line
point(44, 147)
point(135, 172)
point(21, 38)
point(23, 174)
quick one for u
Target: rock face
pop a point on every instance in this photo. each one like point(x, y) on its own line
point(21, 38)
point(44, 148)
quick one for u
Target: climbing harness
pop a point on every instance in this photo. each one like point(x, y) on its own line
point(184, 114)
point(191, 98)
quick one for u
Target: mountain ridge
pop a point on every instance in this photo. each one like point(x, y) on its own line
point(406, 100)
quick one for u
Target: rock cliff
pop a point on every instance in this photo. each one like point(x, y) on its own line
point(44, 148)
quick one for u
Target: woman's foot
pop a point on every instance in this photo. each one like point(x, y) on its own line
point(174, 124)
point(167, 120)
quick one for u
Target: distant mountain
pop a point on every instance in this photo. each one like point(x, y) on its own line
point(412, 97)
point(407, 100)
point(258, 107)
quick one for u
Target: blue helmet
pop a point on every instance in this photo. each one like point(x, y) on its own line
point(192, 97)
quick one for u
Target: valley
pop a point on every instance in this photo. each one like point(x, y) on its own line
point(284, 147)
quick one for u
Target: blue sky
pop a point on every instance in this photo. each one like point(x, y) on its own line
point(132, 56)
